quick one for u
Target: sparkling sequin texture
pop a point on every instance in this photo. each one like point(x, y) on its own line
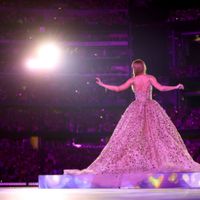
point(144, 140)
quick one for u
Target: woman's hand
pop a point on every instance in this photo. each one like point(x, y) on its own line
point(180, 86)
point(98, 81)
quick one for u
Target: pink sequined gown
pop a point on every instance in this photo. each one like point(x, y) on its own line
point(144, 141)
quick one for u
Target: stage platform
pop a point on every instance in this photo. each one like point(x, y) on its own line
point(160, 180)
point(98, 194)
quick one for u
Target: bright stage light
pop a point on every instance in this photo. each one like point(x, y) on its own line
point(32, 64)
point(47, 58)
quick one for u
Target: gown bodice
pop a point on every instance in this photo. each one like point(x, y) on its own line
point(144, 92)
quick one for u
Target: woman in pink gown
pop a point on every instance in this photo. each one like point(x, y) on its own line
point(145, 140)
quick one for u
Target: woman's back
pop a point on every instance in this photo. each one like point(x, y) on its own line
point(142, 87)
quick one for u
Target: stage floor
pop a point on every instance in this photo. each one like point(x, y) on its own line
point(34, 193)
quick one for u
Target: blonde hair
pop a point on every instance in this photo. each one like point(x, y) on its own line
point(139, 67)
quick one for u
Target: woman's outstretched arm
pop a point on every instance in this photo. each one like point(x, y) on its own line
point(160, 87)
point(115, 88)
